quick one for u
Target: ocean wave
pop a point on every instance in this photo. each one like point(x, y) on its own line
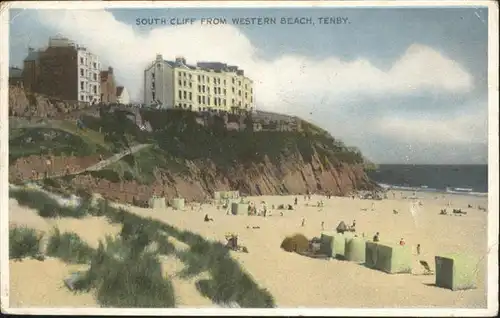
point(424, 188)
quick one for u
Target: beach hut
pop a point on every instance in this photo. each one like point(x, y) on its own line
point(157, 202)
point(456, 272)
point(392, 259)
point(333, 245)
point(178, 203)
point(355, 250)
point(239, 208)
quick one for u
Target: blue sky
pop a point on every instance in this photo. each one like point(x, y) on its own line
point(404, 85)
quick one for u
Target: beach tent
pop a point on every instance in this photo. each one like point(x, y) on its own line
point(392, 259)
point(157, 202)
point(355, 250)
point(178, 203)
point(239, 208)
point(342, 227)
point(333, 245)
point(456, 272)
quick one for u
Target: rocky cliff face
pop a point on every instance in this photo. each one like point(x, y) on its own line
point(202, 178)
point(25, 104)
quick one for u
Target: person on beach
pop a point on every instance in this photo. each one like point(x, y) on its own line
point(402, 242)
point(353, 226)
point(322, 225)
point(295, 201)
point(303, 221)
point(373, 206)
point(376, 237)
point(418, 249)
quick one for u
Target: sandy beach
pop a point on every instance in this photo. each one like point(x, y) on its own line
point(292, 279)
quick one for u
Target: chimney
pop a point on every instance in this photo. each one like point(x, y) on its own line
point(159, 57)
point(30, 49)
point(180, 60)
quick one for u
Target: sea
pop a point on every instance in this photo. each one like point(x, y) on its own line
point(459, 179)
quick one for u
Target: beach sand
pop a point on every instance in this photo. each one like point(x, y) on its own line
point(292, 279)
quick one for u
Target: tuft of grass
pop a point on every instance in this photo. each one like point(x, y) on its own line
point(124, 278)
point(23, 242)
point(69, 247)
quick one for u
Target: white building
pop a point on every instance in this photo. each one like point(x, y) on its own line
point(122, 96)
point(206, 86)
point(89, 83)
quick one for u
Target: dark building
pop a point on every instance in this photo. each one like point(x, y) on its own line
point(59, 73)
point(108, 87)
point(15, 76)
point(31, 70)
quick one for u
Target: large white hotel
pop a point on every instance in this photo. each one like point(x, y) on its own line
point(208, 86)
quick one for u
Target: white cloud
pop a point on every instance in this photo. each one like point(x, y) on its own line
point(288, 79)
point(463, 128)
point(293, 83)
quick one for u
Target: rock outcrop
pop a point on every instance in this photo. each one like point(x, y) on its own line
point(24, 104)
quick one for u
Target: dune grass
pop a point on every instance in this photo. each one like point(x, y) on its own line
point(23, 242)
point(126, 277)
point(132, 277)
point(69, 247)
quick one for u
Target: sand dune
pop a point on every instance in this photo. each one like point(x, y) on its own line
point(292, 279)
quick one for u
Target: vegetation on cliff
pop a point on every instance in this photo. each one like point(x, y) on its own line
point(180, 140)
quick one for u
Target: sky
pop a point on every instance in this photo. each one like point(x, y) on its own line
point(404, 85)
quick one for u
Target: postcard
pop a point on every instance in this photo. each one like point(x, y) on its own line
point(329, 158)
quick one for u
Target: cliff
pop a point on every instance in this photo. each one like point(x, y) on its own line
point(26, 104)
point(191, 160)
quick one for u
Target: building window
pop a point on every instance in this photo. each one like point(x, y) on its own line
point(199, 99)
point(180, 94)
point(81, 72)
point(190, 96)
point(185, 83)
point(95, 65)
point(224, 102)
point(82, 86)
point(81, 60)
point(190, 76)
point(153, 75)
point(251, 99)
point(199, 89)
point(224, 91)
point(224, 82)
point(233, 90)
point(239, 93)
point(185, 95)
point(95, 89)
point(190, 85)
point(239, 83)
point(153, 96)
point(233, 80)
point(203, 88)
point(199, 78)
point(180, 83)
point(203, 100)
point(95, 77)
point(82, 97)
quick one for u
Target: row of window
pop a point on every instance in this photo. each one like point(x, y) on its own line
point(84, 61)
point(206, 79)
point(86, 86)
point(85, 73)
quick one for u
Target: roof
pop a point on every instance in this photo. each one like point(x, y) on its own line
point(33, 56)
point(119, 90)
point(15, 72)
